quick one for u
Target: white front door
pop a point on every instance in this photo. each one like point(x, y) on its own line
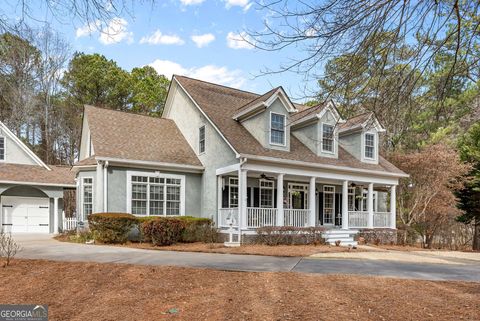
point(25, 214)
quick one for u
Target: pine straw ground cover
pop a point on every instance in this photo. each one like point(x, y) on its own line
point(88, 291)
point(253, 249)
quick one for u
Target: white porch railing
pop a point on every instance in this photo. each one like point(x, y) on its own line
point(69, 223)
point(358, 219)
point(296, 217)
point(227, 216)
point(258, 217)
point(381, 219)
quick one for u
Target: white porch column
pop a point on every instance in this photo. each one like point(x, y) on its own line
point(393, 206)
point(55, 215)
point(98, 194)
point(242, 197)
point(370, 205)
point(345, 205)
point(219, 197)
point(311, 203)
point(280, 217)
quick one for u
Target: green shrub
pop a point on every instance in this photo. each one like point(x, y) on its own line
point(111, 227)
point(289, 235)
point(162, 230)
point(199, 230)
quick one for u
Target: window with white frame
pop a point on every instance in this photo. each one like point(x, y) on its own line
point(232, 192)
point(201, 139)
point(327, 138)
point(365, 200)
point(87, 196)
point(369, 146)
point(266, 193)
point(156, 195)
point(2, 148)
point(328, 204)
point(351, 198)
point(277, 129)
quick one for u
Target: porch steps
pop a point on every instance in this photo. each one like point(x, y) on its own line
point(346, 237)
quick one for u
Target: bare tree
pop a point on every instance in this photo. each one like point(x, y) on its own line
point(8, 247)
point(318, 31)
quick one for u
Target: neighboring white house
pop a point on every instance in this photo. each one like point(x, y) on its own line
point(235, 156)
point(31, 192)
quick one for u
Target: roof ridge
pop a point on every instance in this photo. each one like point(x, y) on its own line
point(271, 91)
point(128, 112)
point(217, 85)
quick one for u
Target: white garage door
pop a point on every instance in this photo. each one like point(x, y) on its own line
point(25, 214)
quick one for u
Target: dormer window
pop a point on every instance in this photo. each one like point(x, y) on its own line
point(2, 148)
point(201, 140)
point(277, 129)
point(369, 146)
point(327, 138)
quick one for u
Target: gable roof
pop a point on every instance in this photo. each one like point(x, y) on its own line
point(361, 121)
point(127, 136)
point(220, 103)
point(24, 147)
point(37, 175)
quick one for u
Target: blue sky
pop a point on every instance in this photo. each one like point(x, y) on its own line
point(198, 38)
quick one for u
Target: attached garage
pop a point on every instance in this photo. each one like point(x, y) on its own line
point(25, 214)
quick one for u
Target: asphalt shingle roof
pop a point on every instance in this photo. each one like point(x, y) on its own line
point(58, 175)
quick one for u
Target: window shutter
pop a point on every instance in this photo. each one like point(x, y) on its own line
point(256, 197)
point(320, 207)
point(225, 197)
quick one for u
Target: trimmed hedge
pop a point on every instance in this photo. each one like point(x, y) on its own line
point(111, 227)
point(289, 235)
point(162, 230)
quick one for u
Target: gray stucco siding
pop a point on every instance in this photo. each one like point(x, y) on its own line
point(117, 189)
point(14, 153)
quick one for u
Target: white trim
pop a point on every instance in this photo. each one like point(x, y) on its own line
point(204, 115)
point(375, 147)
point(333, 151)
point(227, 169)
point(333, 204)
point(158, 175)
point(152, 164)
point(22, 146)
point(279, 161)
point(4, 149)
point(260, 187)
point(290, 188)
point(330, 106)
point(36, 183)
point(279, 93)
point(284, 130)
point(200, 152)
point(229, 191)
point(82, 194)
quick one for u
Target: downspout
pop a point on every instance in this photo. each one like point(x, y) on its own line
point(105, 186)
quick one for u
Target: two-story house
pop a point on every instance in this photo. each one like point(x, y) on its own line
point(239, 158)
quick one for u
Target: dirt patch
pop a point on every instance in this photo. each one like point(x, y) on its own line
point(253, 249)
point(88, 291)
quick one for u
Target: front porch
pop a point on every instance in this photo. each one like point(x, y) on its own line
point(249, 199)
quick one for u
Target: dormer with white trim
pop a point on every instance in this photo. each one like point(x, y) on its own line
point(317, 128)
point(360, 137)
point(267, 118)
point(14, 151)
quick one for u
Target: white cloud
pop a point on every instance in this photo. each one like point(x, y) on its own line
point(203, 40)
point(239, 40)
point(158, 38)
point(211, 73)
point(245, 4)
point(88, 29)
point(116, 31)
point(191, 2)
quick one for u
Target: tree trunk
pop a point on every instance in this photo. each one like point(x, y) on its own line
point(476, 235)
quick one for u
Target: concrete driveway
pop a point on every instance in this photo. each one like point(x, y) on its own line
point(44, 247)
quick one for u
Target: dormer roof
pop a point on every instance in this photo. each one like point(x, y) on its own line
point(361, 122)
point(316, 112)
point(263, 102)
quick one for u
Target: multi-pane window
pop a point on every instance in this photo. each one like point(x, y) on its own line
point(266, 193)
point(327, 138)
point(233, 192)
point(277, 129)
point(87, 196)
point(155, 195)
point(2, 148)
point(369, 145)
point(201, 139)
point(351, 198)
point(328, 204)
